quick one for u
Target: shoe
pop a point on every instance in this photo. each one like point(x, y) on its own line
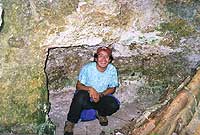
point(68, 129)
point(103, 121)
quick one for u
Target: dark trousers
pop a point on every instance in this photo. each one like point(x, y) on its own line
point(106, 106)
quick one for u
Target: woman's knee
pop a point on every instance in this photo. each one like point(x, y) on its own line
point(81, 96)
point(112, 104)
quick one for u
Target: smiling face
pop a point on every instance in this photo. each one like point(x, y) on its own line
point(103, 59)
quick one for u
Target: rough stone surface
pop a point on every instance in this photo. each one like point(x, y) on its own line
point(151, 40)
point(97, 25)
point(23, 84)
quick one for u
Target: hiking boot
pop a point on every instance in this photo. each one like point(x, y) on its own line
point(68, 129)
point(103, 121)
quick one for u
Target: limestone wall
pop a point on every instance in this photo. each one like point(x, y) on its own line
point(43, 44)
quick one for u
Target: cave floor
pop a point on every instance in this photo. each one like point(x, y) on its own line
point(60, 102)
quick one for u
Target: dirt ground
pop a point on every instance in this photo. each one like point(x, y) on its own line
point(60, 102)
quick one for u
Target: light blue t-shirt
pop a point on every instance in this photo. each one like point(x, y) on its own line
point(90, 76)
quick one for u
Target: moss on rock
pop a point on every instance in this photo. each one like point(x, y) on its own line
point(178, 27)
point(24, 94)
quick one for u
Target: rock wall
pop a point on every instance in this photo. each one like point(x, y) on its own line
point(44, 44)
point(24, 94)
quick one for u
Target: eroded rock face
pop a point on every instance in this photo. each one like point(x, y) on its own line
point(96, 22)
point(34, 31)
point(24, 94)
point(140, 74)
point(63, 65)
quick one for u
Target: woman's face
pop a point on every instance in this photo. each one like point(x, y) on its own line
point(103, 59)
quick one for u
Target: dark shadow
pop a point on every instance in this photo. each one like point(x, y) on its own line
point(2, 24)
point(46, 75)
point(49, 129)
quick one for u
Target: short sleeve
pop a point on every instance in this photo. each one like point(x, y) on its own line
point(83, 75)
point(113, 78)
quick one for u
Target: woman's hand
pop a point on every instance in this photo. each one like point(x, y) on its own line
point(94, 94)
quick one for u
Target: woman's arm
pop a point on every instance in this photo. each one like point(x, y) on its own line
point(93, 93)
point(80, 86)
point(108, 91)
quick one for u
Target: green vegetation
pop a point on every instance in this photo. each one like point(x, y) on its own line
point(178, 28)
